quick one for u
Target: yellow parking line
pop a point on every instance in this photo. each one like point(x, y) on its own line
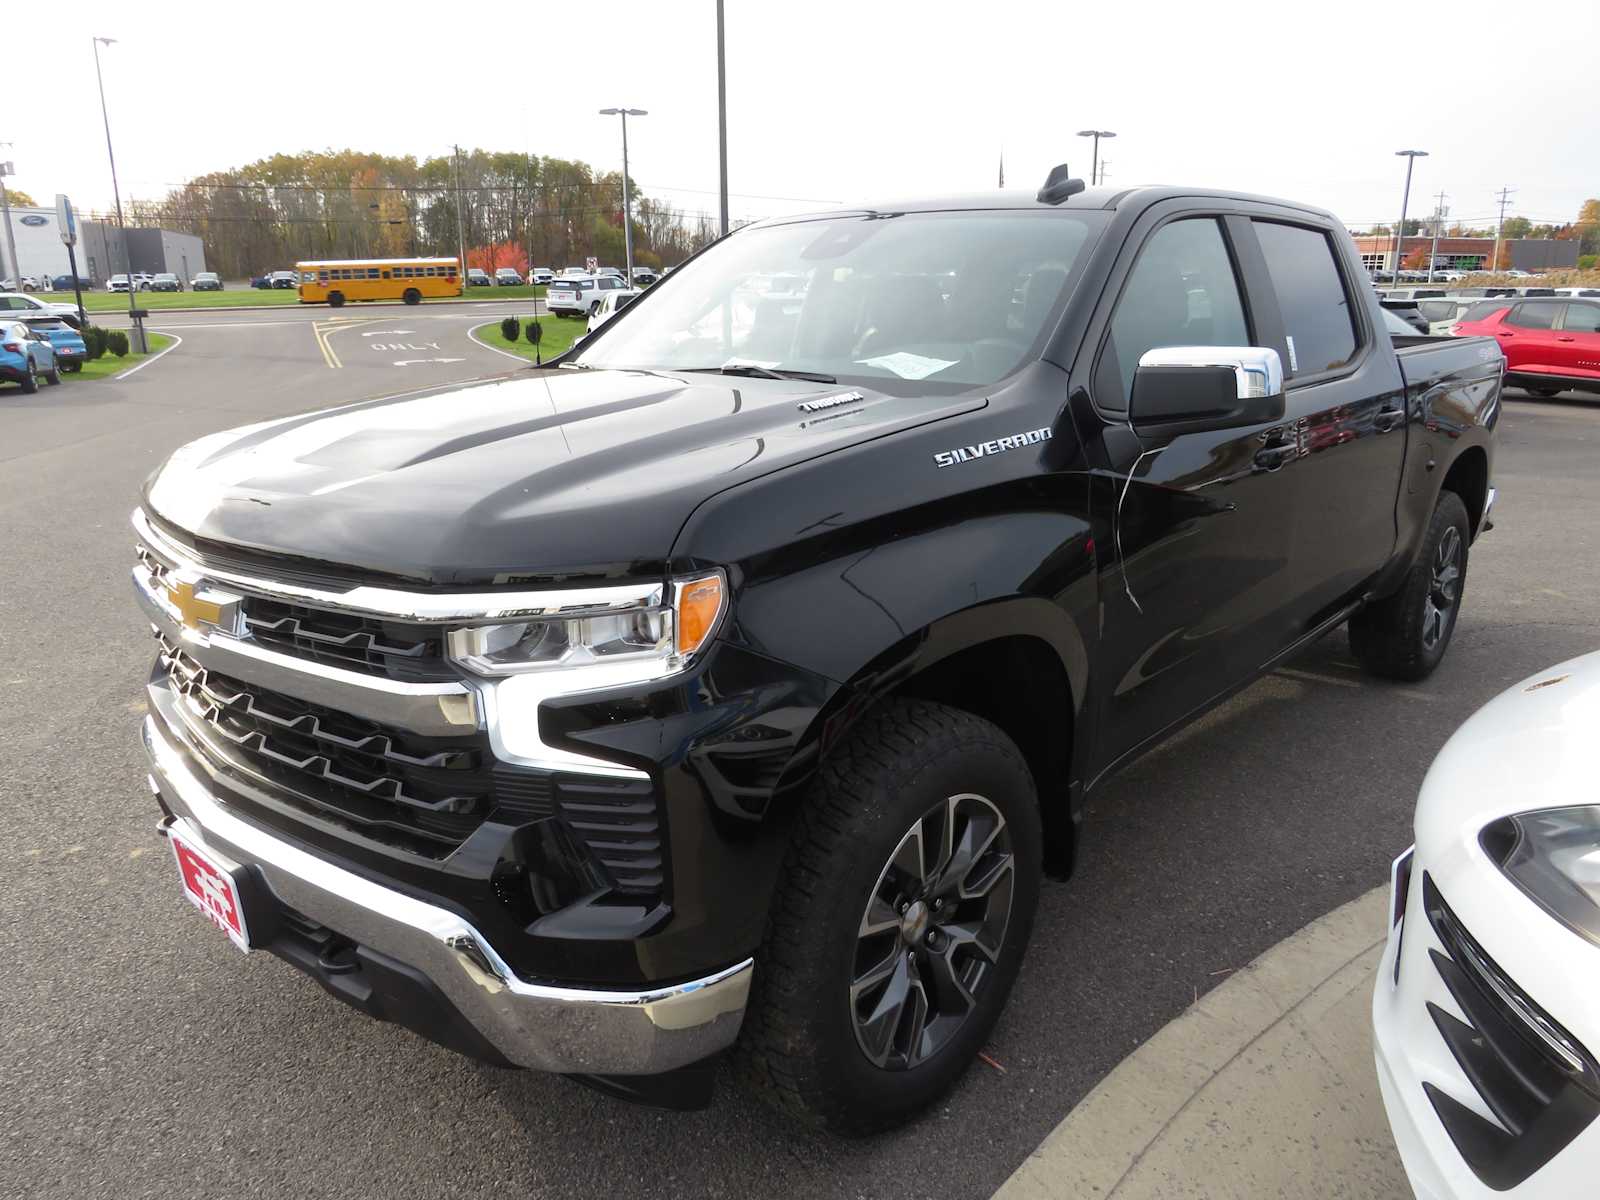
point(327, 354)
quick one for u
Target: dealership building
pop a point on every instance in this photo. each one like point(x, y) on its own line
point(1469, 253)
point(103, 249)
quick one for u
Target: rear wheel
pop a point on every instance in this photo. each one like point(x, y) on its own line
point(1545, 392)
point(1404, 636)
point(335, 299)
point(899, 923)
point(30, 383)
point(412, 296)
point(54, 375)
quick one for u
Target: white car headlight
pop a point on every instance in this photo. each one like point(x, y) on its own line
point(1553, 855)
point(670, 632)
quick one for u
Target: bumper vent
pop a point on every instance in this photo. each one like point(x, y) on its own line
point(618, 822)
point(1541, 1084)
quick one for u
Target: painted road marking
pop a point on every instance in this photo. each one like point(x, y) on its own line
point(176, 342)
point(382, 332)
point(322, 332)
point(411, 362)
point(404, 346)
point(473, 334)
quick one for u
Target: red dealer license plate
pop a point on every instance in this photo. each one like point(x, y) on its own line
point(212, 889)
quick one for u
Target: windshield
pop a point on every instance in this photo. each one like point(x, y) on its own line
point(959, 298)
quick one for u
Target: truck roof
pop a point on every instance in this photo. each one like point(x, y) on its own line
point(1094, 198)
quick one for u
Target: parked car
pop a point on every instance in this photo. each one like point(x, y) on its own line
point(166, 281)
point(1579, 292)
point(574, 272)
point(117, 283)
point(18, 304)
point(610, 304)
point(1485, 1016)
point(1551, 345)
point(66, 283)
point(541, 275)
point(508, 277)
point(1406, 310)
point(644, 276)
point(574, 296)
point(1411, 293)
point(1442, 313)
point(142, 281)
point(261, 281)
point(26, 357)
point(206, 281)
point(777, 654)
point(67, 342)
point(478, 277)
point(283, 279)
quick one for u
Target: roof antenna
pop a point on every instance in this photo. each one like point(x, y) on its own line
point(1059, 185)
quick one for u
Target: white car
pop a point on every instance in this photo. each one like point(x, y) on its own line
point(610, 305)
point(577, 295)
point(1442, 313)
point(1486, 1013)
point(541, 275)
point(18, 304)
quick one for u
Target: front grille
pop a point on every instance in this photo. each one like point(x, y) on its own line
point(1539, 1082)
point(618, 821)
point(431, 792)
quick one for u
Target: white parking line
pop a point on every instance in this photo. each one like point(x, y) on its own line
point(473, 334)
point(176, 342)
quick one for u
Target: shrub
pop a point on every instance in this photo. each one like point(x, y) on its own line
point(510, 327)
point(94, 341)
point(1588, 262)
point(117, 342)
point(533, 333)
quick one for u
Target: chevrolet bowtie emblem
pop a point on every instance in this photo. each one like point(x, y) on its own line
point(201, 607)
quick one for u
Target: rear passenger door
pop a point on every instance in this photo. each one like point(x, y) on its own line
point(1528, 337)
point(1578, 340)
point(1346, 412)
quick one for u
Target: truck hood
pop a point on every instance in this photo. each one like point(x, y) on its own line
point(566, 473)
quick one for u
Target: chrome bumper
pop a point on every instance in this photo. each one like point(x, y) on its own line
point(569, 1030)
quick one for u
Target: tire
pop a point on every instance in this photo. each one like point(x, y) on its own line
point(54, 377)
point(1405, 635)
point(335, 299)
point(823, 1039)
point(1545, 392)
point(412, 296)
point(30, 382)
point(594, 308)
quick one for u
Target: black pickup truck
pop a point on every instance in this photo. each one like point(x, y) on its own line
point(736, 682)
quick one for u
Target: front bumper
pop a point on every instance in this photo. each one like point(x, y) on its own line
point(550, 1028)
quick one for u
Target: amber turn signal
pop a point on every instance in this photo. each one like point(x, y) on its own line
point(698, 603)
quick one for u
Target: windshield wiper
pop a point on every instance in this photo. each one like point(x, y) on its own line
point(757, 371)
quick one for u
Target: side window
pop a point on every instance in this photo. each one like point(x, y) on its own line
point(1536, 314)
point(1582, 318)
point(1311, 295)
point(1181, 292)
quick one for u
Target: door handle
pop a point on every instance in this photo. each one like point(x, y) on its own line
point(1389, 419)
point(1270, 458)
point(1502, 333)
point(1566, 339)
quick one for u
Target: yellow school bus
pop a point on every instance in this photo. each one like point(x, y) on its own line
point(408, 279)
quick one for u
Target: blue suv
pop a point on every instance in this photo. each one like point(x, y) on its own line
point(26, 357)
point(67, 342)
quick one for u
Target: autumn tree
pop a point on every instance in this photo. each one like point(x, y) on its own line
point(20, 198)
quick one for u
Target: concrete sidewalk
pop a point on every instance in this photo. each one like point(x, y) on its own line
point(1265, 1088)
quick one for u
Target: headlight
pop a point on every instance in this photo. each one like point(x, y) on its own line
point(1553, 855)
point(671, 633)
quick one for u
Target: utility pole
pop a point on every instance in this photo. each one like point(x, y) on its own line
point(1104, 163)
point(140, 345)
point(461, 236)
point(5, 214)
point(1505, 195)
point(722, 120)
point(1094, 161)
point(1438, 220)
point(627, 206)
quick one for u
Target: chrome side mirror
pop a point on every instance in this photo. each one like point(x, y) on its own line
point(1207, 386)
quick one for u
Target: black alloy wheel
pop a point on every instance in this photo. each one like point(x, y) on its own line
point(931, 932)
point(1438, 609)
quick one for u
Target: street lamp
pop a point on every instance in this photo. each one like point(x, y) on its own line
point(139, 343)
point(1096, 134)
point(1411, 157)
point(627, 204)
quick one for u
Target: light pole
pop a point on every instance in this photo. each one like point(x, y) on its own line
point(5, 215)
point(1411, 157)
point(1096, 134)
point(722, 122)
point(627, 203)
point(139, 344)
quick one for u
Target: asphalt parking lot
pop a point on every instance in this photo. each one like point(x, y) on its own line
point(145, 1057)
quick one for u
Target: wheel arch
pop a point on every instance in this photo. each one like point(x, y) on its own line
point(1468, 477)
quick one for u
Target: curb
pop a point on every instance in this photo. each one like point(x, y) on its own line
point(1159, 1123)
point(296, 306)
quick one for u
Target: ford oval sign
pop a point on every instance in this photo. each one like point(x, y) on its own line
point(35, 219)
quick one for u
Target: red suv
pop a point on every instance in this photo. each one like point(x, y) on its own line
point(1550, 345)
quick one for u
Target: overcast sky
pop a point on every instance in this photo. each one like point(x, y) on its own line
point(836, 101)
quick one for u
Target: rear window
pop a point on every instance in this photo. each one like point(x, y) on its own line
point(1311, 295)
point(1540, 314)
point(1582, 318)
point(47, 325)
point(1438, 310)
point(1483, 310)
